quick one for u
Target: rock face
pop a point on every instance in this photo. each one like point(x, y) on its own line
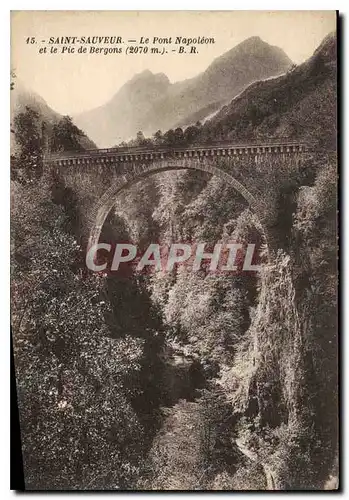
point(149, 102)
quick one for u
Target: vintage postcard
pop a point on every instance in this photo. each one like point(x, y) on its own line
point(174, 249)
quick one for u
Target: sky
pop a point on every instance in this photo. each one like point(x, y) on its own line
point(73, 83)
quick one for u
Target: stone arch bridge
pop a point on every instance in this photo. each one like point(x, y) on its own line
point(97, 176)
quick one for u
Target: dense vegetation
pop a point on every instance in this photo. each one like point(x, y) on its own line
point(32, 136)
point(177, 380)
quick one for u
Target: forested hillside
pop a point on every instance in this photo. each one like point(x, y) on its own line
point(37, 129)
point(185, 380)
point(298, 105)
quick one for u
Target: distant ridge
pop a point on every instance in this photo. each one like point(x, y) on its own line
point(149, 102)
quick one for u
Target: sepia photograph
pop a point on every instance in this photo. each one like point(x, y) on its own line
point(174, 249)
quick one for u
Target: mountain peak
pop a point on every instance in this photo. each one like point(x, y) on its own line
point(148, 76)
point(328, 47)
point(149, 102)
point(255, 48)
point(252, 40)
point(255, 45)
point(142, 75)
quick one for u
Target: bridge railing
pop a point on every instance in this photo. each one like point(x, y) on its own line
point(138, 150)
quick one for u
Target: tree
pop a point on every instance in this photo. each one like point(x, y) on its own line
point(13, 76)
point(140, 140)
point(158, 138)
point(65, 136)
point(78, 427)
point(190, 134)
point(169, 138)
point(27, 164)
point(178, 136)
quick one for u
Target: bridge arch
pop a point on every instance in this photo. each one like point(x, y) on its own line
point(105, 204)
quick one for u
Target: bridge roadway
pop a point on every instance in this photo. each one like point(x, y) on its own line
point(139, 154)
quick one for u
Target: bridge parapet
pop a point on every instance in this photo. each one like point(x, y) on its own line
point(122, 155)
